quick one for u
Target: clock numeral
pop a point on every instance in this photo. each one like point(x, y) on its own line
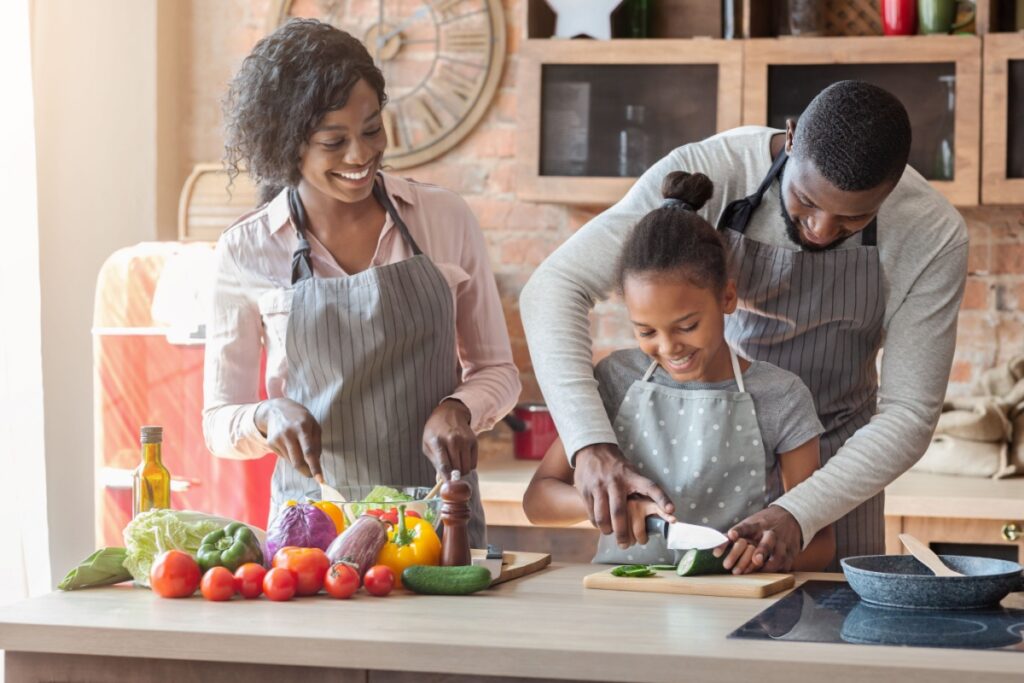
point(426, 113)
point(396, 142)
point(467, 41)
point(455, 84)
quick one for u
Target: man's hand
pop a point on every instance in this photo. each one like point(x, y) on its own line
point(606, 480)
point(448, 440)
point(777, 536)
point(292, 432)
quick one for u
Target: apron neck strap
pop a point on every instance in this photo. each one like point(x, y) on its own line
point(736, 215)
point(650, 371)
point(302, 265)
point(737, 372)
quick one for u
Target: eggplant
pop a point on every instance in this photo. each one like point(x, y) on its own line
point(360, 543)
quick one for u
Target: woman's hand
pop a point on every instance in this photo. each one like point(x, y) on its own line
point(448, 440)
point(641, 507)
point(292, 432)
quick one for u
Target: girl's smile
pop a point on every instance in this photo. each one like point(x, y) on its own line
point(681, 325)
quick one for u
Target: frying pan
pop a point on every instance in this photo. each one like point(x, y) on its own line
point(902, 581)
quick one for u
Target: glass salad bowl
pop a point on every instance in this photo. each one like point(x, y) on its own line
point(360, 499)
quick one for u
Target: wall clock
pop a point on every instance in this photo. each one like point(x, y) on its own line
point(442, 62)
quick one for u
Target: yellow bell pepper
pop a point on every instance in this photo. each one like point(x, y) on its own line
point(412, 542)
point(329, 509)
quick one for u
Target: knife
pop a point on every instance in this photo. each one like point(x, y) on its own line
point(682, 536)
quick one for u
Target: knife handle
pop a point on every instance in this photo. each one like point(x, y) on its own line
point(656, 525)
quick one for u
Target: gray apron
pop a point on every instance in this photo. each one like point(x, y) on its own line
point(818, 315)
point(702, 447)
point(370, 356)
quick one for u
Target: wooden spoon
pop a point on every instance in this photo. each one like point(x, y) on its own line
point(926, 556)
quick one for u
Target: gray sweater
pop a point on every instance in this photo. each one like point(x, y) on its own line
point(922, 246)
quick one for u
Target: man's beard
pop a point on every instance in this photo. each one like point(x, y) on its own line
point(793, 231)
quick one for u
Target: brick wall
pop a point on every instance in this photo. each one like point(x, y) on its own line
point(521, 234)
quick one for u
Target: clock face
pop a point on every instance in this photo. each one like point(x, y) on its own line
point(442, 61)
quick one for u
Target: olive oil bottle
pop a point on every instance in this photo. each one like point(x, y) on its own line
point(151, 482)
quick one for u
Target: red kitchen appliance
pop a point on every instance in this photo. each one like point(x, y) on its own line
point(148, 369)
point(534, 430)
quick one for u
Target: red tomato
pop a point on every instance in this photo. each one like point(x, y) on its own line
point(379, 580)
point(218, 584)
point(413, 513)
point(249, 580)
point(174, 575)
point(279, 584)
point(342, 580)
point(375, 512)
point(309, 565)
point(391, 516)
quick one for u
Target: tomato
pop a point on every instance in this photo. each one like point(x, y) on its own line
point(249, 580)
point(174, 574)
point(279, 584)
point(375, 512)
point(379, 580)
point(309, 565)
point(342, 580)
point(412, 513)
point(218, 584)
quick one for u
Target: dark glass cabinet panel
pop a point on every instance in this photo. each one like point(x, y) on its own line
point(606, 120)
point(927, 90)
point(1015, 119)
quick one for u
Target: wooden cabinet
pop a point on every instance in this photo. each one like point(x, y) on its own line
point(1002, 173)
point(957, 515)
point(581, 101)
point(936, 77)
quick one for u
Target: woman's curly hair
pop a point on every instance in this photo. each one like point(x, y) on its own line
point(289, 81)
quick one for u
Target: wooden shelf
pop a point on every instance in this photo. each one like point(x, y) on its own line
point(1002, 175)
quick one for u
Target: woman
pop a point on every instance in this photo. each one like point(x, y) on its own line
point(372, 295)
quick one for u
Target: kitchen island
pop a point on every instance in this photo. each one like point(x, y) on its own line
point(544, 626)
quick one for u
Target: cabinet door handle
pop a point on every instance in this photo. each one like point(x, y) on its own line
point(1011, 531)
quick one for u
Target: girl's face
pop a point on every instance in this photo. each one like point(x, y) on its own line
point(681, 325)
point(341, 157)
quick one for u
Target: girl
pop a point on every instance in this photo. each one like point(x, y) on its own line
point(371, 295)
point(721, 435)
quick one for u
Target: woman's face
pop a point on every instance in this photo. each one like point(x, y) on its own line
point(341, 157)
point(681, 325)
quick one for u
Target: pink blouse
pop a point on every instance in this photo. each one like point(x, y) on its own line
point(252, 297)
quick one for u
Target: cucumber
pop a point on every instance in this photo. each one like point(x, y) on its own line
point(696, 562)
point(446, 580)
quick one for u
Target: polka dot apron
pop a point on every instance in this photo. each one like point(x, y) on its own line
point(703, 447)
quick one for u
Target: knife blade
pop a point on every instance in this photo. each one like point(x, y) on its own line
point(683, 536)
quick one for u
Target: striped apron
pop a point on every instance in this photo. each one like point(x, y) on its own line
point(818, 315)
point(370, 356)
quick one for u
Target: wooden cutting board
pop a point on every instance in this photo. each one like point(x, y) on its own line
point(723, 585)
point(516, 563)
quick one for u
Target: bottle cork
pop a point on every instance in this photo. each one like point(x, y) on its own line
point(455, 515)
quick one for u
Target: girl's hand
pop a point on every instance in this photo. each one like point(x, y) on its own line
point(740, 557)
point(640, 507)
point(292, 432)
point(448, 440)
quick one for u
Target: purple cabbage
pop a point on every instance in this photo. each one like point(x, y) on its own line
point(302, 525)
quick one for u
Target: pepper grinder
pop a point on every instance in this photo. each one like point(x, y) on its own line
point(455, 515)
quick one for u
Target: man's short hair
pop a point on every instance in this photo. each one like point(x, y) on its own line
point(856, 134)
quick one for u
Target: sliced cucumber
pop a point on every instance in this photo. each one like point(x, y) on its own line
point(696, 562)
point(446, 580)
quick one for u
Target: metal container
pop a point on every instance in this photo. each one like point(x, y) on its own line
point(534, 430)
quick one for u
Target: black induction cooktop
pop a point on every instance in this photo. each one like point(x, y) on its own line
point(830, 612)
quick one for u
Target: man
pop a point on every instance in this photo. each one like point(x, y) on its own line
point(837, 247)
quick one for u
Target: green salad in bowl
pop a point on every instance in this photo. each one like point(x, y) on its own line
point(383, 501)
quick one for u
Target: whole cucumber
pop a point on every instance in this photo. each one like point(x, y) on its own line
point(446, 580)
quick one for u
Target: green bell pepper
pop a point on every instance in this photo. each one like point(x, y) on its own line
point(230, 547)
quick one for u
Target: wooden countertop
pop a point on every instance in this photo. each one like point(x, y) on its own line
point(544, 625)
point(503, 481)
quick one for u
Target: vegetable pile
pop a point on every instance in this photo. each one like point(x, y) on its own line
point(309, 548)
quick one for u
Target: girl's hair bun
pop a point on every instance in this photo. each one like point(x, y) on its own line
point(693, 188)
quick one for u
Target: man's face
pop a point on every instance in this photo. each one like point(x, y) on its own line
point(818, 215)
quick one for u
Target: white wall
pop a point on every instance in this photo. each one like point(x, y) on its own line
point(95, 69)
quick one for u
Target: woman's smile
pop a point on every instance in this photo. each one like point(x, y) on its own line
point(681, 363)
